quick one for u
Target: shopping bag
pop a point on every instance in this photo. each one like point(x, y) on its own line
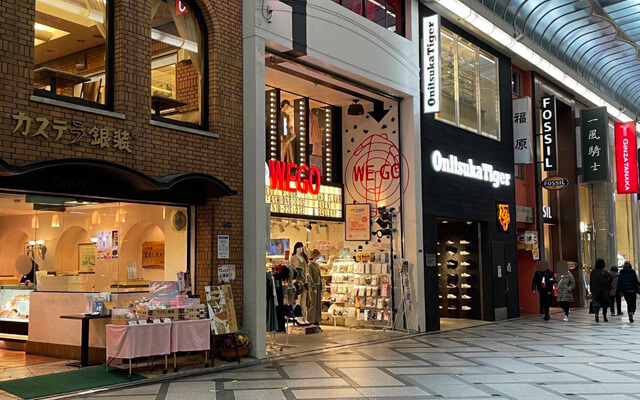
point(593, 307)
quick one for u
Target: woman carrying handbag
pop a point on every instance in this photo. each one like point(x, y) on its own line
point(628, 286)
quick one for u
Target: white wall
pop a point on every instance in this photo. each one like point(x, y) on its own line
point(347, 44)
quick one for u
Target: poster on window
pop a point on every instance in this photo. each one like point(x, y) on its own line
point(153, 254)
point(86, 257)
point(358, 222)
point(107, 245)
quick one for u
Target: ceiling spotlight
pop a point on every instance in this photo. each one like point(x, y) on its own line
point(355, 108)
point(309, 227)
point(383, 232)
point(383, 224)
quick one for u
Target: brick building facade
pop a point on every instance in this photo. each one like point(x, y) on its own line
point(158, 150)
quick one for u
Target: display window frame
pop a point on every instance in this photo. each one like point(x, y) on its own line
point(191, 211)
point(109, 70)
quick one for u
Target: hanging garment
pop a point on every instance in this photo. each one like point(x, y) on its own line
point(314, 303)
point(280, 308)
point(315, 135)
point(272, 320)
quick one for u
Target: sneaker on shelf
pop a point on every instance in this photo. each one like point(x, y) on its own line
point(464, 253)
point(465, 286)
point(465, 297)
point(452, 296)
point(452, 275)
point(451, 286)
point(465, 242)
point(452, 308)
point(452, 264)
point(465, 264)
point(465, 275)
point(450, 242)
point(451, 250)
point(565, 319)
point(466, 308)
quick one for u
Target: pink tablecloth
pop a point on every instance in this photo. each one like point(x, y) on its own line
point(191, 335)
point(131, 341)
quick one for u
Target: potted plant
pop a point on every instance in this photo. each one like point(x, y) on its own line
point(229, 344)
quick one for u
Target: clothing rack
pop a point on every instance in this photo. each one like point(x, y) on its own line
point(272, 345)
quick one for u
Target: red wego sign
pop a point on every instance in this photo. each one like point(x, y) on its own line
point(181, 8)
point(626, 158)
point(291, 177)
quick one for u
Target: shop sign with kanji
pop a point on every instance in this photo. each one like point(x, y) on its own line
point(73, 132)
point(595, 144)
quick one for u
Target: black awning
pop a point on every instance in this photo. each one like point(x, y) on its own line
point(104, 179)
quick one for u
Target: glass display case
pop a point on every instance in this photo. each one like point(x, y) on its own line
point(14, 311)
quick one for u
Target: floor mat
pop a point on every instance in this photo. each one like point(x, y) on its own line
point(66, 382)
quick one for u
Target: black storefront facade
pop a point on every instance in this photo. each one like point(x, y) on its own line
point(468, 184)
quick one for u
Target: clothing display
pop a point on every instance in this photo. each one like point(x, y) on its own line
point(272, 302)
point(316, 135)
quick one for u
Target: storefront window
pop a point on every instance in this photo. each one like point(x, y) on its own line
point(587, 234)
point(177, 62)
point(299, 130)
point(70, 49)
point(386, 13)
point(469, 86)
point(85, 246)
point(624, 229)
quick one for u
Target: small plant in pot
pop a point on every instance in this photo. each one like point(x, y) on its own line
point(229, 344)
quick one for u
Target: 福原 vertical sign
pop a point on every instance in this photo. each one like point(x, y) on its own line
point(431, 64)
point(549, 135)
point(522, 150)
point(595, 144)
point(626, 158)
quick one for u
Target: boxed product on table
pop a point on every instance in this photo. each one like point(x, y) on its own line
point(122, 316)
point(172, 313)
point(193, 312)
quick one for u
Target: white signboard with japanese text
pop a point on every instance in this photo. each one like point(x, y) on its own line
point(522, 145)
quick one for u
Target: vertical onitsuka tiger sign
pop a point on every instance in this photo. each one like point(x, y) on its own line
point(626, 158)
point(431, 64)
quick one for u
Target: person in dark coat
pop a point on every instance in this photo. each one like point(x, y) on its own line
point(628, 287)
point(614, 297)
point(543, 281)
point(599, 284)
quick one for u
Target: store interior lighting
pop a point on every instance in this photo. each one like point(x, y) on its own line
point(464, 12)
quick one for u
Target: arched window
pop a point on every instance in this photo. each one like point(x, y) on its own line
point(178, 63)
point(71, 57)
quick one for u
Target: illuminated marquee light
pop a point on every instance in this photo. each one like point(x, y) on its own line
point(483, 172)
point(327, 203)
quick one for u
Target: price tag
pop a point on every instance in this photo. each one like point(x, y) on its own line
point(167, 320)
point(110, 305)
point(133, 322)
point(157, 321)
point(142, 322)
point(127, 303)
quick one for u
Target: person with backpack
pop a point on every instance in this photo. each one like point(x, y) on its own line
point(628, 286)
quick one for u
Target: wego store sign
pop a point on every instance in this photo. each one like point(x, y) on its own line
point(296, 190)
point(468, 169)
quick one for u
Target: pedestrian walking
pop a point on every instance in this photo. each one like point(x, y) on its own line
point(600, 282)
point(543, 281)
point(566, 284)
point(614, 297)
point(628, 287)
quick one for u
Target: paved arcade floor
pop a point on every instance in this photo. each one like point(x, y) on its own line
point(522, 359)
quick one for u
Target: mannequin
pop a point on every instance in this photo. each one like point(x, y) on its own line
point(315, 133)
point(288, 134)
point(300, 263)
point(315, 289)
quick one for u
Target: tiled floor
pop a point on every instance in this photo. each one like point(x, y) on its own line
point(521, 359)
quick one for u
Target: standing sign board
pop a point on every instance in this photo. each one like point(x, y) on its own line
point(595, 144)
point(431, 86)
point(626, 158)
point(522, 149)
point(549, 134)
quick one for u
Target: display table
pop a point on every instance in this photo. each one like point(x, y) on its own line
point(192, 335)
point(133, 341)
point(84, 340)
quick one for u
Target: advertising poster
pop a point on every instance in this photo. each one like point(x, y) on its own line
point(223, 246)
point(86, 257)
point(221, 309)
point(226, 273)
point(107, 245)
point(358, 222)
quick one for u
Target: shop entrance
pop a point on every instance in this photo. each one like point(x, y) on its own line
point(459, 269)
